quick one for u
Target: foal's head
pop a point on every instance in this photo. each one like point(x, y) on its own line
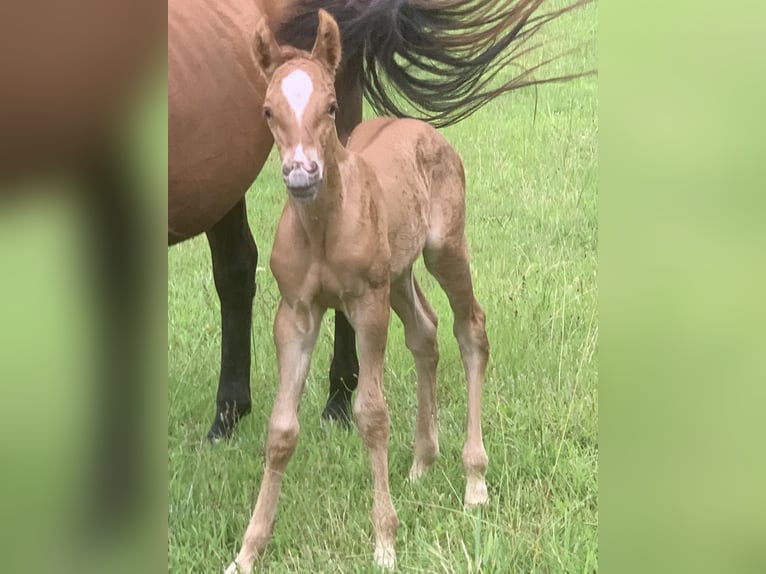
point(300, 104)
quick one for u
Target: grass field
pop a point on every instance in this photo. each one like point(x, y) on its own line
point(532, 230)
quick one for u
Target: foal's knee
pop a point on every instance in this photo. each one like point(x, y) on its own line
point(471, 331)
point(371, 416)
point(283, 437)
point(423, 343)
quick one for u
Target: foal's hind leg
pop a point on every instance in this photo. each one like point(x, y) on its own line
point(234, 261)
point(420, 322)
point(448, 262)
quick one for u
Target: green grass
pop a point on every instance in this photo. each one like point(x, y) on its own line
point(532, 229)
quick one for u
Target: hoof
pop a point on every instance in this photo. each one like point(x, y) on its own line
point(226, 419)
point(235, 568)
point(475, 492)
point(338, 410)
point(418, 469)
point(385, 556)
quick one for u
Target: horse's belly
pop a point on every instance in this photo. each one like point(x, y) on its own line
point(217, 138)
point(208, 172)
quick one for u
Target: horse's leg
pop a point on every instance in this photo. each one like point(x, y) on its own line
point(370, 315)
point(448, 262)
point(235, 257)
point(295, 333)
point(420, 322)
point(344, 369)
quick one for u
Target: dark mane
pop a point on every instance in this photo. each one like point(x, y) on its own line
point(441, 55)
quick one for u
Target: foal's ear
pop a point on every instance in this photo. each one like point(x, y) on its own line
point(267, 52)
point(327, 45)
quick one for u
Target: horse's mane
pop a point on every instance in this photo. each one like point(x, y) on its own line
point(441, 55)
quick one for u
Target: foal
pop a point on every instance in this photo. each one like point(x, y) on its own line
point(355, 222)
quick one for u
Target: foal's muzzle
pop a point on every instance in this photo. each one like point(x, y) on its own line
point(303, 180)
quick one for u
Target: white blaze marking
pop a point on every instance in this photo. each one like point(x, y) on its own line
point(300, 155)
point(297, 88)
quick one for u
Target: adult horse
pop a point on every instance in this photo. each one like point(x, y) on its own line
point(439, 54)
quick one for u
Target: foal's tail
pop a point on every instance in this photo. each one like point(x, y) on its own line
point(441, 55)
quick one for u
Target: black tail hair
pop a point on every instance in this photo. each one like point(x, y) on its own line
point(441, 55)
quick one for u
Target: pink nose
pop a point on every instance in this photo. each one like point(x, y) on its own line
point(309, 167)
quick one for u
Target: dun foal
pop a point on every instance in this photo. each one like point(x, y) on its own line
point(355, 221)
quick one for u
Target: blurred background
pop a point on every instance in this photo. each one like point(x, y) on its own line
point(83, 156)
point(681, 283)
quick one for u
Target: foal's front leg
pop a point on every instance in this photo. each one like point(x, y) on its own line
point(370, 315)
point(295, 332)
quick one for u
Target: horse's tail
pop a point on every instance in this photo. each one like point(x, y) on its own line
point(441, 55)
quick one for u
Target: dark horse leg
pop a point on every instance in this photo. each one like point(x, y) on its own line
point(235, 257)
point(344, 371)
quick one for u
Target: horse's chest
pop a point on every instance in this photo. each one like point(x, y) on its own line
point(337, 285)
point(317, 280)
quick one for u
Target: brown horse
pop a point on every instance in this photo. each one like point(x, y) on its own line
point(355, 221)
point(438, 53)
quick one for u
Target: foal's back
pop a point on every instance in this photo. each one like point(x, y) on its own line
point(422, 179)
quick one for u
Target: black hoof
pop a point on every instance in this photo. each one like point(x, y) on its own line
point(338, 410)
point(226, 419)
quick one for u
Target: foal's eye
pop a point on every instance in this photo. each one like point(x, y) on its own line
point(332, 108)
point(267, 113)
